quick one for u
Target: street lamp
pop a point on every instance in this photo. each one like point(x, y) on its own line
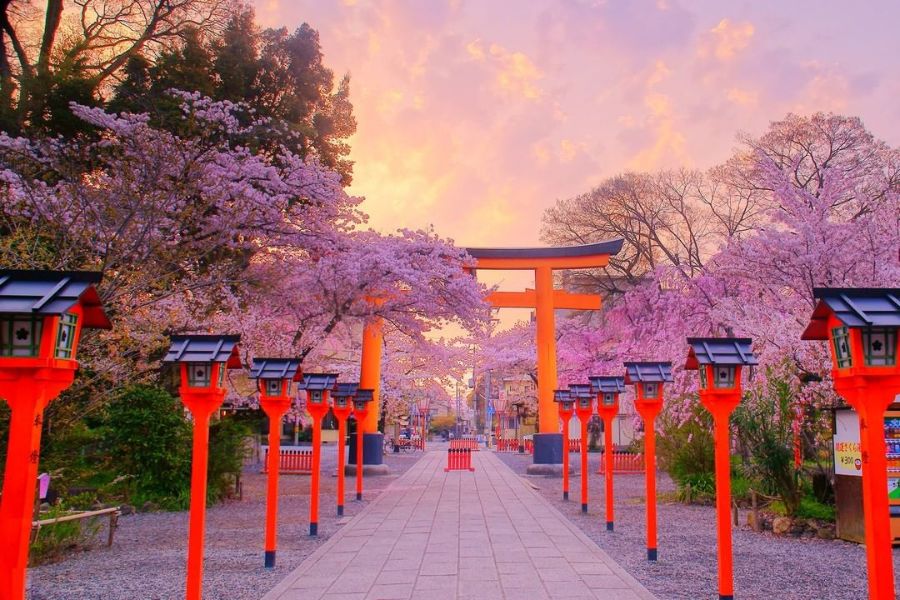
point(565, 404)
point(42, 314)
point(202, 360)
point(862, 325)
point(423, 405)
point(360, 410)
point(518, 404)
point(274, 378)
point(584, 408)
point(341, 406)
point(719, 361)
point(317, 386)
point(608, 389)
point(648, 379)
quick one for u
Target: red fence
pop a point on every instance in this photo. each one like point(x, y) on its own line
point(574, 445)
point(291, 461)
point(459, 459)
point(464, 444)
point(507, 445)
point(529, 446)
point(623, 462)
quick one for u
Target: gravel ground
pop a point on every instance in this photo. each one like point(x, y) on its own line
point(766, 566)
point(148, 559)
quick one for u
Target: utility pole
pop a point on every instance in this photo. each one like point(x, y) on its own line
point(487, 403)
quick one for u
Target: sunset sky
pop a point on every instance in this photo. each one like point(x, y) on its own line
point(475, 115)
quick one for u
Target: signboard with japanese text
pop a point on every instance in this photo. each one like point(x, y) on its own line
point(847, 454)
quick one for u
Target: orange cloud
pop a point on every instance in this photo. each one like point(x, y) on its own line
point(726, 40)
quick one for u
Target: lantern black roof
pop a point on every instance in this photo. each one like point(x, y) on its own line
point(607, 384)
point(345, 389)
point(52, 293)
point(204, 349)
point(318, 381)
point(854, 307)
point(581, 390)
point(719, 351)
point(650, 372)
point(364, 395)
point(276, 368)
point(563, 396)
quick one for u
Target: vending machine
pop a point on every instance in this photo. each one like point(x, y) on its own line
point(848, 471)
point(892, 441)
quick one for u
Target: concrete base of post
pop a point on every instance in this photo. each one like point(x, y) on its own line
point(269, 559)
point(368, 470)
point(373, 449)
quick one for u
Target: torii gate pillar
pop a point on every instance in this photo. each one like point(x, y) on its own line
point(544, 299)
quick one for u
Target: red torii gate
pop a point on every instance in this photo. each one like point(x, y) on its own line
point(545, 299)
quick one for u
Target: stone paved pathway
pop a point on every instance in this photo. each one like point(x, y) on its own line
point(438, 536)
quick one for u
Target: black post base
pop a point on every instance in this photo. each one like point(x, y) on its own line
point(340, 510)
point(651, 554)
point(358, 496)
point(313, 529)
point(270, 559)
point(584, 508)
point(565, 495)
point(726, 597)
point(373, 449)
point(609, 525)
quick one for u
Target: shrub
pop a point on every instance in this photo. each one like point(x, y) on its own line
point(226, 456)
point(148, 439)
point(764, 429)
point(686, 450)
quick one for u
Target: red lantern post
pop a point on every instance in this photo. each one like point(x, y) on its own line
point(584, 408)
point(719, 361)
point(317, 386)
point(274, 377)
point(360, 411)
point(500, 406)
point(862, 326)
point(342, 396)
point(42, 314)
point(202, 360)
point(423, 405)
point(565, 403)
point(648, 379)
point(608, 389)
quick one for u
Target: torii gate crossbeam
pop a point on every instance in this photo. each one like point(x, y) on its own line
point(544, 299)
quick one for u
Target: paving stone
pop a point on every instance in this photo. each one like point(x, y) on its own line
point(481, 536)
